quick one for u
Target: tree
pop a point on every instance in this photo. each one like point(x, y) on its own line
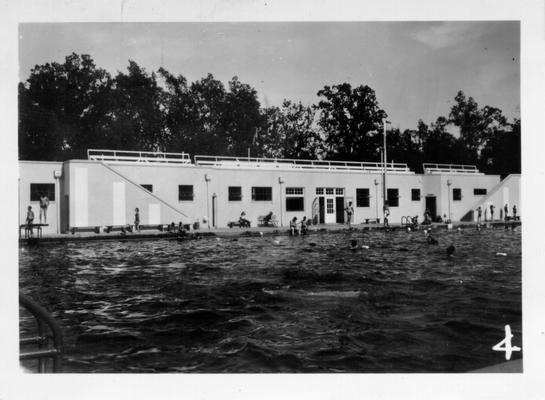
point(242, 117)
point(290, 132)
point(440, 147)
point(502, 153)
point(63, 109)
point(351, 120)
point(476, 125)
point(137, 117)
point(181, 114)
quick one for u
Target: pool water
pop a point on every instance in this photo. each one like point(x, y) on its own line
point(394, 303)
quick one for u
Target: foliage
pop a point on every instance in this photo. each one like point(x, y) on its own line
point(66, 108)
point(290, 132)
point(351, 120)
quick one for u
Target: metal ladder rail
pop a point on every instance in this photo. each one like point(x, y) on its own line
point(43, 319)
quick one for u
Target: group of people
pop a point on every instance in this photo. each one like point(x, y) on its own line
point(298, 228)
point(44, 205)
point(492, 208)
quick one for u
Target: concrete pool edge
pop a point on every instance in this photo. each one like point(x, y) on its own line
point(247, 232)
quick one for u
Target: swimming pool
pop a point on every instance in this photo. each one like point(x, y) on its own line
point(282, 304)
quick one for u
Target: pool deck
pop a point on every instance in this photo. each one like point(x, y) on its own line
point(245, 232)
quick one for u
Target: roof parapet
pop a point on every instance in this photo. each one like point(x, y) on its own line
point(145, 157)
point(296, 164)
point(450, 169)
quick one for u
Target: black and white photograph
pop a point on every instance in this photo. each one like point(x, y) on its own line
point(313, 196)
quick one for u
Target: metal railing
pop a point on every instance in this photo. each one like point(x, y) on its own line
point(146, 157)
point(42, 340)
point(286, 163)
point(450, 168)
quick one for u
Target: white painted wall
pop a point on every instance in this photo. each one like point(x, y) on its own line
point(99, 197)
point(38, 172)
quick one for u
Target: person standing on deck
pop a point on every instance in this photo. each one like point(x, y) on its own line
point(479, 214)
point(44, 204)
point(506, 212)
point(492, 212)
point(137, 219)
point(514, 212)
point(29, 220)
point(386, 211)
point(349, 211)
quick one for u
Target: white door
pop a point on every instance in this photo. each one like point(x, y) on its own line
point(330, 210)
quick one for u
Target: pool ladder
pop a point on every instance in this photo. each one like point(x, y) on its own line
point(45, 351)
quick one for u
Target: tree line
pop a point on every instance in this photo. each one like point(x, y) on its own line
point(66, 108)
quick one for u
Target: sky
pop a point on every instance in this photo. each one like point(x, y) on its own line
point(415, 68)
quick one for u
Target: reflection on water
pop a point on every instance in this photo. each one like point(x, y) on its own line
point(311, 304)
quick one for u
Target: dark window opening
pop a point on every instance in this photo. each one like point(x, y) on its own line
point(261, 193)
point(295, 204)
point(235, 193)
point(456, 194)
point(479, 192)
point(185, 192)
point(415, 194)
point(393, 197)
point(149, 188)
point(362, 197)
point(37, 189)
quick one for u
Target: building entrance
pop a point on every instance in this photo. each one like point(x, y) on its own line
point(331, 205)
point(431, 206)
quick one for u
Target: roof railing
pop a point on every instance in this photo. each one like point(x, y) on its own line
point(285, 163)
point(146, 157)
point(450, 169)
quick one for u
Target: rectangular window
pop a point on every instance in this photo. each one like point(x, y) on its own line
point(235, 193)
point(393, 197)
point(329, 191)
point(38, 189)
point(456, 194)
point(339, 191)
point(261, 193)
point(319, 191)
point(295, 200)
point(295, 204)
point(330, 207)
point(479, 192)
point(185, 192)
point(294, 191)
point(362, 197)
point(415, 194)
point(149, 188)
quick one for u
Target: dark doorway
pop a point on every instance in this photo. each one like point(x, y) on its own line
point(214, 205)
point(339, 209)
point(431, 206)
point(321, 212)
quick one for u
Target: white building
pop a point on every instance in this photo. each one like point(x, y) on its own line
point(105, 189)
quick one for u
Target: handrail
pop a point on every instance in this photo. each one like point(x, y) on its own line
point(42, 316)
point(157, 157)
point(450, 168)
point(287, 163)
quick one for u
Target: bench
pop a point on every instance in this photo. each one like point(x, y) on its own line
point(372, 221)
point(29, 228)
point(272, 222)
point(239, 224)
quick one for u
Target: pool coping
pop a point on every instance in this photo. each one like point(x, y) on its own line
point(246, 232)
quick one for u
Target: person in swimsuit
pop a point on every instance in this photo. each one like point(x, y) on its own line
point(44, 204)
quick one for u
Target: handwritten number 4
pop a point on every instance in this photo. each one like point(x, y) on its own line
point(505, 344)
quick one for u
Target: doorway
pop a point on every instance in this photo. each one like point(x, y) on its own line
point(431, 206)
point(330, 215)
point(340, 210)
